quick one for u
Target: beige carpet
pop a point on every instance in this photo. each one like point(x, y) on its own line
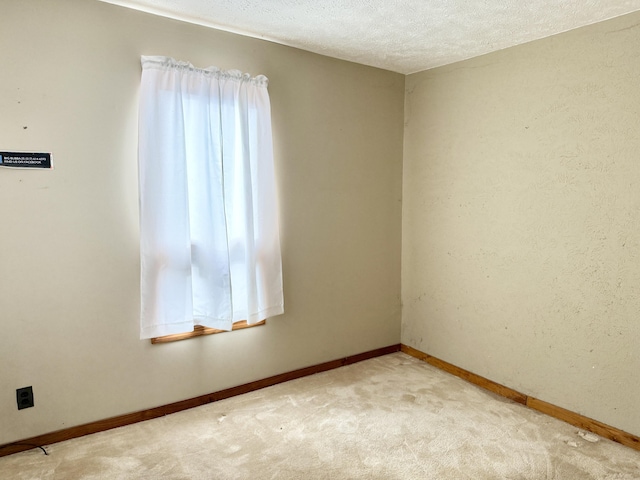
point(392, 417)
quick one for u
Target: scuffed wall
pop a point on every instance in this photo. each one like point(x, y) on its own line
point(521, 215)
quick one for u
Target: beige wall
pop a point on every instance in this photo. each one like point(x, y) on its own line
point(69, 266)
point(521, 218)
point(521, 257)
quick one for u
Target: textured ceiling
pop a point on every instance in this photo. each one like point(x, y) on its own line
point(404, 36)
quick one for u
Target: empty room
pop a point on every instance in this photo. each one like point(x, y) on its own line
point(397, 240)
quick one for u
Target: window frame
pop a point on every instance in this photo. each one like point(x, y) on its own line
point(201, 330)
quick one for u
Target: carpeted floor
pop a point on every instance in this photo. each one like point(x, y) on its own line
point(392, 417)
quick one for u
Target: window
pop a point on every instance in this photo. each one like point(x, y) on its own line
point(209, 238)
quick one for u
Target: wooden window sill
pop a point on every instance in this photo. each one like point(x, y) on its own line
point(199, 331)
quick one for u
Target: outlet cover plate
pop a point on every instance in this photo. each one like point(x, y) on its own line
point(24, 397)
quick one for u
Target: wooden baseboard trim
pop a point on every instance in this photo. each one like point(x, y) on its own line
point(585, 423)
point(567, 416)
point(128, 419)
point(466, 375)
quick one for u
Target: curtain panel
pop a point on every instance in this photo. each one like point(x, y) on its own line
point(209, 235)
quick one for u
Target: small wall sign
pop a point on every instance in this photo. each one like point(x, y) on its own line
point(25, 160)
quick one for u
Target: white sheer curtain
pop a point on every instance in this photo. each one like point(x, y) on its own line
point(210, 247)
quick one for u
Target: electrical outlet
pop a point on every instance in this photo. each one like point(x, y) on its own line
point(24, 396)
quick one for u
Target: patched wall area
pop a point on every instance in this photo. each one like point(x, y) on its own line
point(521, 207)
